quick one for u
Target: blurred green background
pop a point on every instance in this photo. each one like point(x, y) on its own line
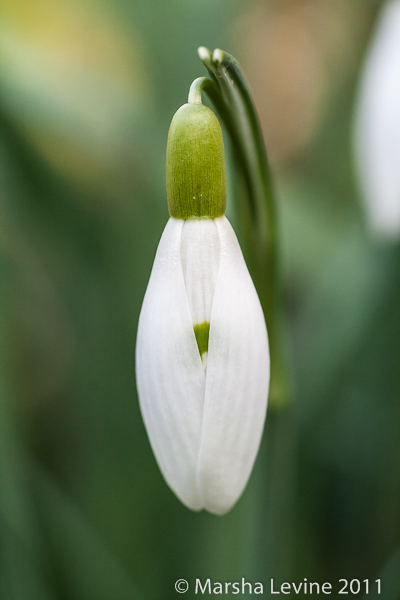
point(87, 92)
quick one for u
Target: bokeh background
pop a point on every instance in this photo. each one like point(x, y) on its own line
point(87, 92)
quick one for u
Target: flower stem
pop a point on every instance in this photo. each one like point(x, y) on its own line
point(235, 107)
point(198, 86)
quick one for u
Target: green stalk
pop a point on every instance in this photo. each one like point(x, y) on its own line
point(231, 98)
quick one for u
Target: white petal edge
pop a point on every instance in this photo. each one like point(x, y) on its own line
point(377, 125)
point(237, 381)
point(169, 371)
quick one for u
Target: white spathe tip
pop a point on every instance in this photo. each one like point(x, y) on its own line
point(204, 421)
point(377, 126)
point(218, 56)
point(203, 52)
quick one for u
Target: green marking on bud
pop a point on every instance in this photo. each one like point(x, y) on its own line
point(196, 176)
point(202, 333)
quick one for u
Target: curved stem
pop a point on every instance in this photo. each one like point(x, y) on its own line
point(258, 213)
point(198, 86)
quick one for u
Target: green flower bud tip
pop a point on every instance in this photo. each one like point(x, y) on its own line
point(196, 175)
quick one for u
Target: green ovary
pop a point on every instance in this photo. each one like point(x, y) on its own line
point(202, 333)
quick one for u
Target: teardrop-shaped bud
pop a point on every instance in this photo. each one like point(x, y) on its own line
point(196, 175)
point(202, 356)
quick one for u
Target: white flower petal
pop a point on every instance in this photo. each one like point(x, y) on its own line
point(205, 425)
point(169, 371)
point(237, 380)
point(200, 261)
point(377, 130)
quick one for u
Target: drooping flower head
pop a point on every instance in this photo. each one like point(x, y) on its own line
point(202, 357)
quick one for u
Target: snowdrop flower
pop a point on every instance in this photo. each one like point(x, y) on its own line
point(202, 357)
point(377, 130)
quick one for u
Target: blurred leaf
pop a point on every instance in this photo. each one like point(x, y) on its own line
point(84, 566)
point(390, 580)
point(24, 573)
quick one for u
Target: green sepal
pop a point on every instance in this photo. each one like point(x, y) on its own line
point(196, 175)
